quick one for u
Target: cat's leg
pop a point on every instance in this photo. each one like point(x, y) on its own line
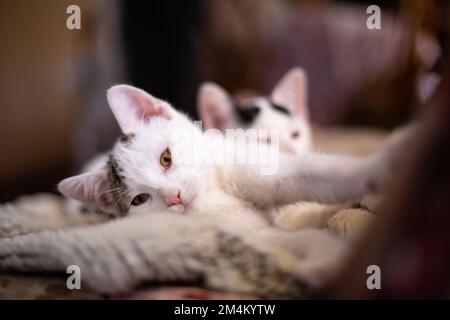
point(305, 215)
point(312, 177)
point(116, 256)
point(319, 177)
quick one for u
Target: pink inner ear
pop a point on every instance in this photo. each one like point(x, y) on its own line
point(215, 108)
point(131, 105)
point(291, 91)
point(86, 187)
point(215, 118)
point(148, 107)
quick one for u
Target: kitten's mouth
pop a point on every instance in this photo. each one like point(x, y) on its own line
point(183, 207)
point(179, 208)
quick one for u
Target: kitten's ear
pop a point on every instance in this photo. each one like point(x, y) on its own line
point(292, 92)
point(131, 106)
point(88, 188)
point(214, 106)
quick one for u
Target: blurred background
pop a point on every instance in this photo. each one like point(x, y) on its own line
point(53, 111)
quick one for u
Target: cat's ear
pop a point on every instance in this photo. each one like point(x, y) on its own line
point(214, 106)
point(88, 188)
point(131, 106)
point(292, 92)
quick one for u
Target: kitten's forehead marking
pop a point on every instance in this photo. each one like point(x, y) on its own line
point(279, 108)
point(249, 112)
point(118, 194)
point(267, 104)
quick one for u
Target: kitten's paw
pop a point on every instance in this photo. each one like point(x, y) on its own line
point(372, 203)
point(305, 215)
point(350, 223)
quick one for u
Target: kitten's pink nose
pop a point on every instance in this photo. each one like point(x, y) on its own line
point(287, 148)
point(172, 198)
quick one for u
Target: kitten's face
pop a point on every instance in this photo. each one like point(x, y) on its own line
point(148, 169)
point(294, 131)
point(285, 111)
point(151, 166)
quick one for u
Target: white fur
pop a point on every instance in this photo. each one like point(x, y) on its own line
point(220, 188)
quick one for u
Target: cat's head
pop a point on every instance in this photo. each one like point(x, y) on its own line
point(284, 110)
point(147, 169)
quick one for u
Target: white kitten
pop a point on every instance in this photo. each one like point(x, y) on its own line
point(147, 172)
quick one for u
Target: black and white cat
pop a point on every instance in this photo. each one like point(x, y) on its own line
point(285, 110)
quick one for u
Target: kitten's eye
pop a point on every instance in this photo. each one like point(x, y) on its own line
point(295, 134)
point(140, 199)
point(165, 159)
